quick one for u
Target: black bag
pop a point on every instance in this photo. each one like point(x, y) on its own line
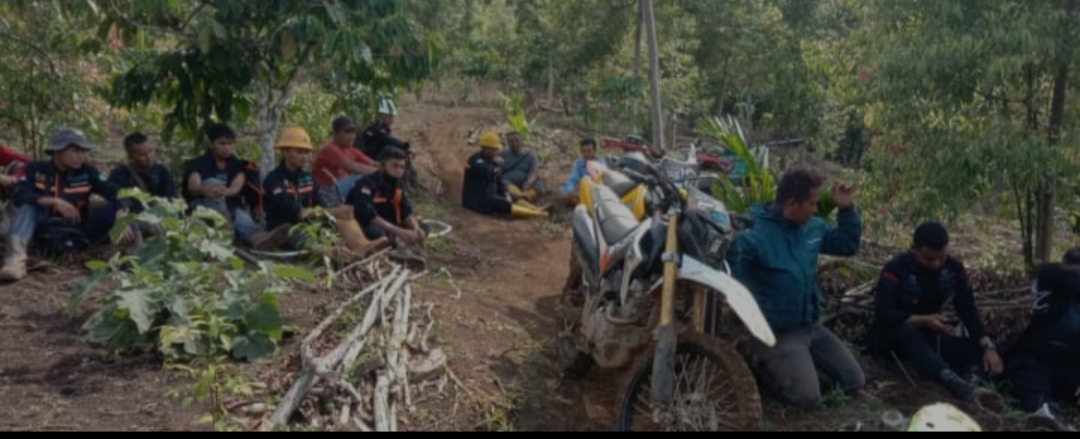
point(57, 238)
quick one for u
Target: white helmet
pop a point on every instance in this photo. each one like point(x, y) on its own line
point(942, 417)
point(386, 106)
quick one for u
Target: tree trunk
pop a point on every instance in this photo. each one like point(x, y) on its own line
point(551, 80)
point(654, 77)
point(267, 127)
point(1045, 195)
point(636, 69)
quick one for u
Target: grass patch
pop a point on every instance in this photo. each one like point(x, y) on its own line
point(548, 226)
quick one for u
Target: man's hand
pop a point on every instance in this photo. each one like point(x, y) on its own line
point(993, 363)
point(937, 323)
point(843, 195)
point(128, 237)
point(69, 212)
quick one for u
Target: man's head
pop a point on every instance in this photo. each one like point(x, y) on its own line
point(393, 161)
point(387, 111)
point(490, 144)
point(931, 246)
point(798, 194)
point(344, 132)
point(1072, 258)
point(222, 141)
point(140, 151)
point(69, 148)
point(295, 146)
point(588, 149)
point(513, 140)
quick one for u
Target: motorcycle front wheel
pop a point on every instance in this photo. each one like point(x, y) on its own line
point(714, 391)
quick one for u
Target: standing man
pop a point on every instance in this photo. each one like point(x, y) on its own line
point(215, 181)
point(339, 165)
point(56, 193)
point(908, 319)
point(382, 207)
point(521, 170)
point(484, 190)
point(777, 261)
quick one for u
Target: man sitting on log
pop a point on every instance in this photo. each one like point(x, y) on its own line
point(909, 323)
point(1043, 364)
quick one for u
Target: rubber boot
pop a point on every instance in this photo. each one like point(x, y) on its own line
point(354, 238)
point(14, 260)
point(528, 205)
point(271, 240)
point(965, 391)
point(519, 211)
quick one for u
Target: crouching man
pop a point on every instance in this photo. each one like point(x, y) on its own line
point(291, 198)
point(54, 195)
point(381, 205)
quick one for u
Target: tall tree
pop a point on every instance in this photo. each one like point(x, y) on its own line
point(976, 93)
point(232, 54)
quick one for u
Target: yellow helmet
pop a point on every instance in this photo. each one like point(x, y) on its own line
point(942, 417)
point(294, 137)
point(491, 140)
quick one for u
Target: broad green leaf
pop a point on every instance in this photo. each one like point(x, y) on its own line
point(82, 289)
point(254, 348)
point(215, 250)
point(140, 308)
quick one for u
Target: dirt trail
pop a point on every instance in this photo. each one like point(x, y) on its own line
point(511, 272)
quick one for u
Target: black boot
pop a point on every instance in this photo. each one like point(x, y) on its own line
point(968, 392)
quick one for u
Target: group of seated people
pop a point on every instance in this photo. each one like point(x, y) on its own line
point(777, 261)
point(53, 205)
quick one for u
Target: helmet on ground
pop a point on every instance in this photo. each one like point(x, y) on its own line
point(491, 140)
point(387, 107)
point(294, 137)
point(943, 417)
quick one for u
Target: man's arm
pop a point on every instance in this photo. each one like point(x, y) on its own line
point(845, 239)
point(169, 186)
point(965, 308)
point(887, 300)
point(575, 176)
point(534, 171)
point(279, 201)
point(236, 186)
point(194, 184)
point(25, 193)
point(742, 254)
point(103, 187)
point(334, 155)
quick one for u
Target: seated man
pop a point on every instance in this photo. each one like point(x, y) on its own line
point(339, 165)
point(383, 209)
point(290, 198)
point(569, 190)
point(484, 191)
point(54, 195)
point(521, 170)
point(215, 181)
point(777, 261)
point(144, 172)
point(1042, 365)
point(908, 322)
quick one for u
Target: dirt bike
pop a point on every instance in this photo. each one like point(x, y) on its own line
point(667, 275)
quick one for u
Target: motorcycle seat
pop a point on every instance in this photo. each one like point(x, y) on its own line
point(619, 183)
point(617, 221)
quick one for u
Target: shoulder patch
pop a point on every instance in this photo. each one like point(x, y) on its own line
point(276, 190)
point(365, 190)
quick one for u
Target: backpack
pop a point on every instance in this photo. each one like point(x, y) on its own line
point(57, 238)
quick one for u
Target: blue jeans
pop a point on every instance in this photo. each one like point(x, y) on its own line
point(243, 224)
point(95, 226)
point(346, 184)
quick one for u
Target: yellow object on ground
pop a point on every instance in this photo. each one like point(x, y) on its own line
point(523, 209)
point(354, 237)
point(635, 200)
point(516, 192)
point(943, 417)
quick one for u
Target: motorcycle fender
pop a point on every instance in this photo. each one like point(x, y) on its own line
point(740, 299)
point(585, 190)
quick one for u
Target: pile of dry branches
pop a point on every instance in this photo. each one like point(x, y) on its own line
point(359, 364)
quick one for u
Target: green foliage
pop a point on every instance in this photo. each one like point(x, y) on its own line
point(186, 294)
point(758, 185)
point(516, 115)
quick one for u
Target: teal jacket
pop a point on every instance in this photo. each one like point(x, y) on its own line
point(777, 261)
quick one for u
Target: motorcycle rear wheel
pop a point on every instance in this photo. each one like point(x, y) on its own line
point(714, 390)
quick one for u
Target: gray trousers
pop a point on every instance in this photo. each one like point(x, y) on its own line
point(805, 363)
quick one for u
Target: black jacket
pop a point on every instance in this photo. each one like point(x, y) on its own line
point(375, 138)
point(482, 183)
point(286, 195)
point(378, 196)
point(905, 290)
point(157, 182)
point(206, 166)
point(1054, 331)
point(43, 179)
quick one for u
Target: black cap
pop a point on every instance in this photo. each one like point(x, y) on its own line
point(343, 123)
